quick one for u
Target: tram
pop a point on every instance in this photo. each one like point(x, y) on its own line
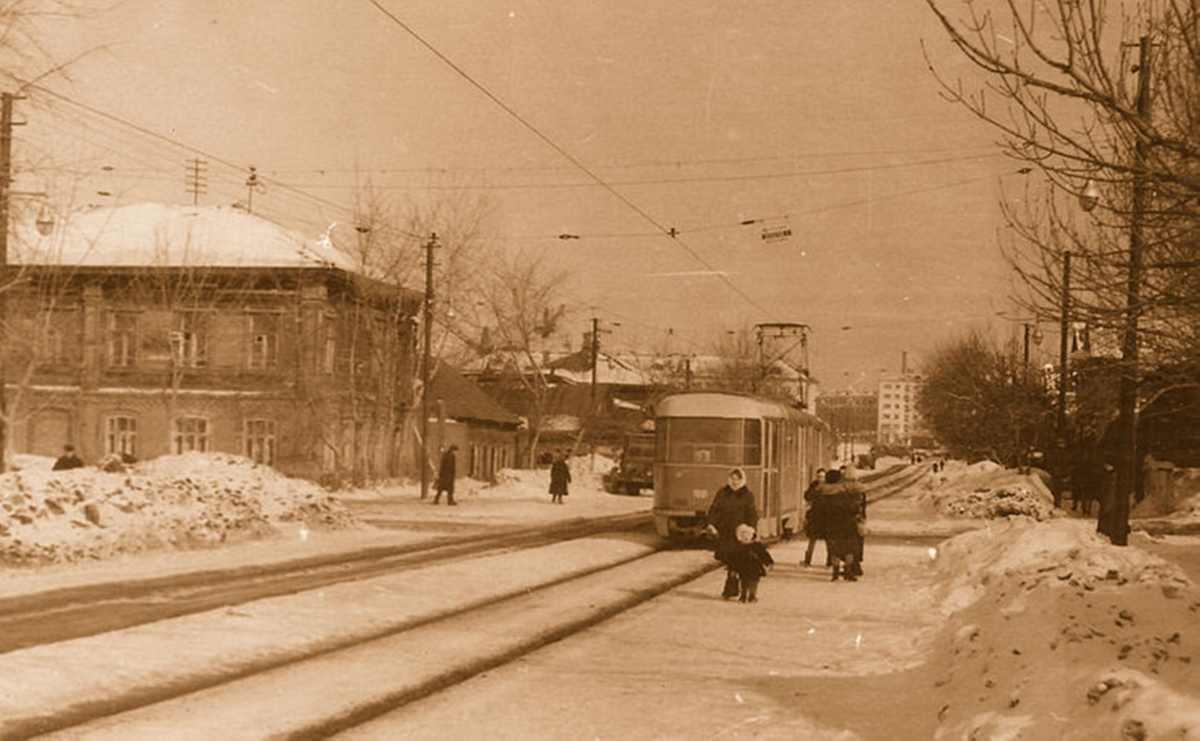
point(701, 435)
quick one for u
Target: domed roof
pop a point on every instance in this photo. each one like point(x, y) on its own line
point(163, 235)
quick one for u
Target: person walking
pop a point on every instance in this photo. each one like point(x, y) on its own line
point(68, 460)
point(814, 519)
point(732, 505)
point(560, 478)
point(446, 474)
point(749, 559)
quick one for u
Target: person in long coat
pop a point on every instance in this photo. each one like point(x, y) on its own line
point(560, 477)
point(446, 474)
point(814, 519)
point(732, 505)
point(842, 525)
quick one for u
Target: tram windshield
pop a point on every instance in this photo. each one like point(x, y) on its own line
point(732, 442)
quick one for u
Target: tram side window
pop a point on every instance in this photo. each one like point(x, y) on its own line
point(705, 440)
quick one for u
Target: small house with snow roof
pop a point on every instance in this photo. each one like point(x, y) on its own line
point(150, 329)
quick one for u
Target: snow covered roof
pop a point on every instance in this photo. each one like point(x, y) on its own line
point(163, 235)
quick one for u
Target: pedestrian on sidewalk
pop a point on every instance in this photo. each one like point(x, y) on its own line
point(858, 496)
point(814, 518)
point(749, 559)
point(841, 525)
point(446, 474)
point(560, 478)
point(68, 460)
point(732, 505)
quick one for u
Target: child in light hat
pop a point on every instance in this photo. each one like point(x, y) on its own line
point(749, 558)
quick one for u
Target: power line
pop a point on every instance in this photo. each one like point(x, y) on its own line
point(666, 231)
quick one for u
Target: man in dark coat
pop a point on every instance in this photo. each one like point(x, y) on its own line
point(446, 473)
point(68, 459)
point(814, 519)
point(732, 505)
point(845, 505)
point(560, 477)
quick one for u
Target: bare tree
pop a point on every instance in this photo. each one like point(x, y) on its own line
point(981, 400)
point(1100, 100)
point(516, 315)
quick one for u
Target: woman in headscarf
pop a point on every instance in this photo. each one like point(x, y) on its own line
point(732, 505)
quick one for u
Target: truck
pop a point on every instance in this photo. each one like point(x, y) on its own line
point(634, 470)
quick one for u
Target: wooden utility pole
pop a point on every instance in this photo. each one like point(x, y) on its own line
point(426, 359)
point(1117, 528)
point(6, 135)
point(1064, 326)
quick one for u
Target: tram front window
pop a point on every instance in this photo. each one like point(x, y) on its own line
point(733, 442)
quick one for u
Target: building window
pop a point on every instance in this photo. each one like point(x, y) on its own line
point(190, 435)
point(189, 343)
point(122, 339)
point(259, 442)
point(329, 354)
point(120, 437)
point(264, 341)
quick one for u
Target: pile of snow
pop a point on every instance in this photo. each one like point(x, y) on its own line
point(1051, 627)
point(987, 490)
point(184, 501)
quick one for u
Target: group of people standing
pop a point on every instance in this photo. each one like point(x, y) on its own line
point(837, 512)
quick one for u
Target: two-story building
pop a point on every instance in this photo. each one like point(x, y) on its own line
point(151, 329)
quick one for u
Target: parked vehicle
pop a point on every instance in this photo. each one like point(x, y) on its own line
point(635, 466)
point(701, 435)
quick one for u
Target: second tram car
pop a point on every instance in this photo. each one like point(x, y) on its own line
point(700, 436)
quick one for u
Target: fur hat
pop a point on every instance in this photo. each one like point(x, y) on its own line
point(744, 533)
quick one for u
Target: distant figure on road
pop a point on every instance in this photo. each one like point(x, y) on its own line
point(560, 477)
point(749, 559)
point(68, 459)
point(814, 519)
point(446, 473)
point(732, 505)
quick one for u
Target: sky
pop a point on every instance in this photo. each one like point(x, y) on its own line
point(612, 122)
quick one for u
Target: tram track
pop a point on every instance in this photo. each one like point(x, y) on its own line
point(348, 679)
point(76, 612)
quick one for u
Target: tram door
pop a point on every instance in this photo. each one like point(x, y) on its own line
point(770, 509)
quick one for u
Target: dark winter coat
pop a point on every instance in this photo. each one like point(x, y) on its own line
point(815, 518)
point(446, 473)
point(67, 461)
point(560, 476)
point(729, 509)
point(749, 560)
point(845, 507)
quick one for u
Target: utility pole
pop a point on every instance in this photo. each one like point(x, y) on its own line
point(6, 135)
point(194, 183)
point(1127, 458)
point(595, 352)
point(426, 359)
point(1064, 319)
point(252, 182)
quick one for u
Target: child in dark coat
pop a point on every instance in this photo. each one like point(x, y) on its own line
point(749, 558)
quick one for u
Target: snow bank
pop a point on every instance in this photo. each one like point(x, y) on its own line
point(987, 490)
point(185, 501)
point(1054, 632)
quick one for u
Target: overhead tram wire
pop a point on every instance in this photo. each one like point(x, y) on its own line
point(666, 231)
point(163, 139)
